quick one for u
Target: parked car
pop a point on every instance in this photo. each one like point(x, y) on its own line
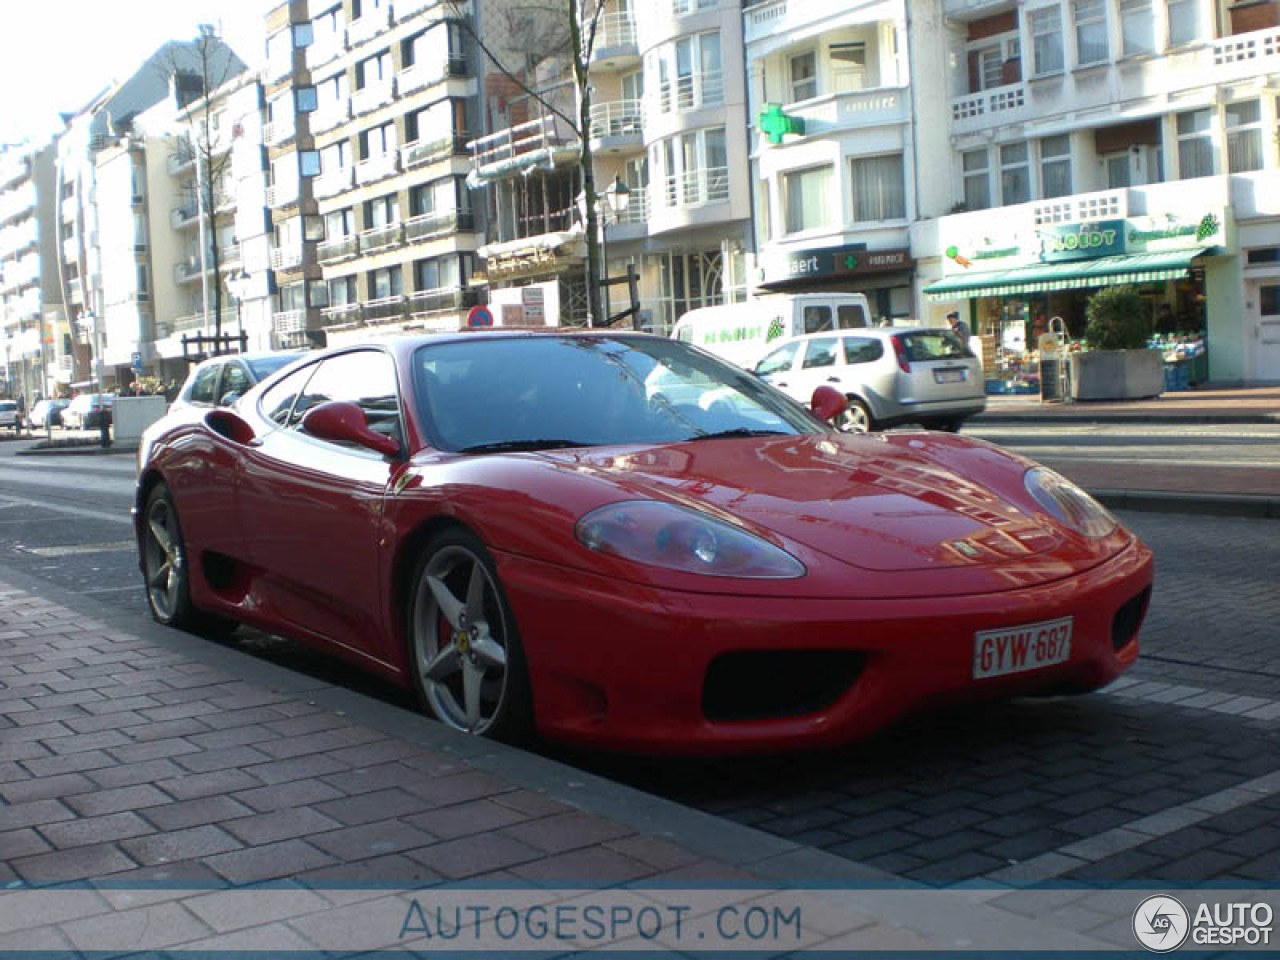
point(10, 415)
point(536, 532)
point(86, 411)
point(890, 375)
point(48, 413)
point(219, 381)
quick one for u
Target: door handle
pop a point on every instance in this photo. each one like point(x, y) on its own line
point(781, 383)
point(833, 379)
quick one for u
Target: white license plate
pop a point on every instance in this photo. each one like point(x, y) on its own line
point(948, 376)
point(1018, 649)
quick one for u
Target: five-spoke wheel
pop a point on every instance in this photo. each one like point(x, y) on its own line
point(857, 418)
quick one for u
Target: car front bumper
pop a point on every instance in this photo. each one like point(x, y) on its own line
point(622, 666)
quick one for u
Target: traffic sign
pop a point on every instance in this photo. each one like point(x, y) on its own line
point(479, 317)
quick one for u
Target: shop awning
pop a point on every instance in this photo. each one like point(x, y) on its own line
point(1080, 274)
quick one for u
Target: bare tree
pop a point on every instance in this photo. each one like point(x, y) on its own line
point(198, 70)
point(580, 20)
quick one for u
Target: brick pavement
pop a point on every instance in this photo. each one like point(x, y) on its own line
point(1221, 405)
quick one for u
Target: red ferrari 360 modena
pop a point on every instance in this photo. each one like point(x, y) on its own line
point(619, 540)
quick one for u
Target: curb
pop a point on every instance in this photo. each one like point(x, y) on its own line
point(1173, 419)
point(1201, 504)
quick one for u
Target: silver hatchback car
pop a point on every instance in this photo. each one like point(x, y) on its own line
point(891, 375)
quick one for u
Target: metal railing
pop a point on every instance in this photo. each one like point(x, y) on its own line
point(518, 140)
point(614, 30)
point(333, 182)
point(379, 238)
point(338, 249)
point(710, 185)
point(616, 118)
point(437, 224)
point(385, 308)
point(637, 208)
point(439, 300)
point(691, 91)
point(378, 167)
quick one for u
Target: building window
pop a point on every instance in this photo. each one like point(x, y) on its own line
point(848, 66)
point(1091, 31)
point(306, 98)
point(374, 70)
point(807, 196)
point(1184, 21)
point(699, 74)
point(385, 283)
point(1046, 40)
point(1055, 166)
point(439, 273)
point(803, 76)
point(1015, 181)
point(878, 191)
point(992, 60)
point(333, 91)
point(1137, 26)
point(378, 141)
point(309, 161)
point(335, 156)
point(382, 212)
point(1117, 165)
point(977, 180)
point(1244, 136)
point(342, 291)
point(1195, 144)
point(302, 36)
point(339, 224)
point(697, 168)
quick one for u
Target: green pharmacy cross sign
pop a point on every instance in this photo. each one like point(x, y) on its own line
point(775, 124)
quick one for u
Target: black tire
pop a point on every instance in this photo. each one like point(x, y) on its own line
point(463, 641)
point(166, 573)
point(857, 419)
point(949, 426)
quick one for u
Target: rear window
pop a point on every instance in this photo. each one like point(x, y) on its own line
point(263, 367)
point(934, 345)
point(862, 349)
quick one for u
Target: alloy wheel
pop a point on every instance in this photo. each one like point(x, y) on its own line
point(164, 561)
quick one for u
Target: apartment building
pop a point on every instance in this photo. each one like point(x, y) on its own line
point(1104, 141)
point(369, 107)
point(34, 347)
point(836, 150)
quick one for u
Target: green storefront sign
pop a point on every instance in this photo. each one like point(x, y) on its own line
point(1081, 241)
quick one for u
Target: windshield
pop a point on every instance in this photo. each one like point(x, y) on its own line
point(545, 392)
point(264, 366)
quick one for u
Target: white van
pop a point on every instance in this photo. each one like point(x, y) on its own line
point(741, 332)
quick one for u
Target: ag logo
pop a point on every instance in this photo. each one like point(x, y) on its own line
point(1161, 923)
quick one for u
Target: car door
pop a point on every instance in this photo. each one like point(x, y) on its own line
point(817, 367)
point(775, 368)
point(313, 508)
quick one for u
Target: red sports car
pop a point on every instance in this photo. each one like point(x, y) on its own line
point(619, 540)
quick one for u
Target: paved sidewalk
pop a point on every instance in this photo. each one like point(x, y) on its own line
point(1207, 405)
point(166, 770)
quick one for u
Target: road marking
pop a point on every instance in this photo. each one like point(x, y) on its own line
point(113, 515)
point(116, 546)
point(1202, 698)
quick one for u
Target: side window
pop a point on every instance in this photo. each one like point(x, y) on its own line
point(778, 361)
point(366, 378)
point(821, 353)
point(850, 316)
point(862, 349)
point(234, 381)
point(817, 319)
point(277, 403)
point(202, 391)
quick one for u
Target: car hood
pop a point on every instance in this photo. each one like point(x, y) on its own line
point(881, 502)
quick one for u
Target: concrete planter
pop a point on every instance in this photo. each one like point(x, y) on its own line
point(1117, 374)
point(132, 415)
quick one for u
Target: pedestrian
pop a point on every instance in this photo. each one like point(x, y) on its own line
point(959, 327)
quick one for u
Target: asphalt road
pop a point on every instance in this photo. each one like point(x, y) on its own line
point(1170, 777)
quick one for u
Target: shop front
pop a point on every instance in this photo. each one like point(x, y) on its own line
point(1015, 282)
point(884, 276)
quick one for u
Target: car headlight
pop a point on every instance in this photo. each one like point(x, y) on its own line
point(1068, 504)
point(677, 538)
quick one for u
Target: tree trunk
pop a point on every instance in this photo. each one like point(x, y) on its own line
point(595, 300)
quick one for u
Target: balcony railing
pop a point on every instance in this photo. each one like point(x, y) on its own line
point(615, 118)
point(279, 131)
point(421, 152)
point(615, 30)
point(378, 168)
point(985, 103)
point(428, 225)
point(333, 182)
point(180, 217)
point(193, 321)
point(379, 238)
point(439, 300)
point(373, 95)
point(343, 314)
point(691, 91)
point(326, 48)
point(697, 187)
point(289, 321)
point(1247, 48)
point(330, 115)
point(516, 141)
point(282, 194)
point(385, 308)
point(637, 208)
point(191, 268)
point(182, 157)
point(369, 25)
point(338, 249)
point(287, 257)
point(229, 254)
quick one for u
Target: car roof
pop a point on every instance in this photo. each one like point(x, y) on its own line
point(880, 333)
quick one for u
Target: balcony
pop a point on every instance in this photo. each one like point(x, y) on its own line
point(287, 257)
point(616, 122)
point(13, 167)
point(330, 251)
point(378, 167)
point(333, 182)
point(373, 95)
point(289, 321)
point(636, 215)
point(191, 268)
point(836, 112)
point(615, 37)
point(193, 321)
point(421, 152)
point(380, 238)
point(282, 194)
point(184, 216)
point(441, 223)
point(280, 64)
point(385, 309)
point(533, 139)
point(326, 48)
point(420, 75)
point(279, 131)
point(181, 159)
point(692, 91)
point(369, 26)
point(697, 187)
point(346, 314)
point(229, 255)
point(330, 115)
point(438, 301)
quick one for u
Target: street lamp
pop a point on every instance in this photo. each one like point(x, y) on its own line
point(617, 197)
point(238, 283)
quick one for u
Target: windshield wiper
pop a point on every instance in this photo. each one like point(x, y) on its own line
point(512, 446)
point(737, 432)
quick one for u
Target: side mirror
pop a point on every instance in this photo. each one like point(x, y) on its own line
point(827, 403)
point(343, 422)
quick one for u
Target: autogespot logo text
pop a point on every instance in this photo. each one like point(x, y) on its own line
point(1161, 923)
